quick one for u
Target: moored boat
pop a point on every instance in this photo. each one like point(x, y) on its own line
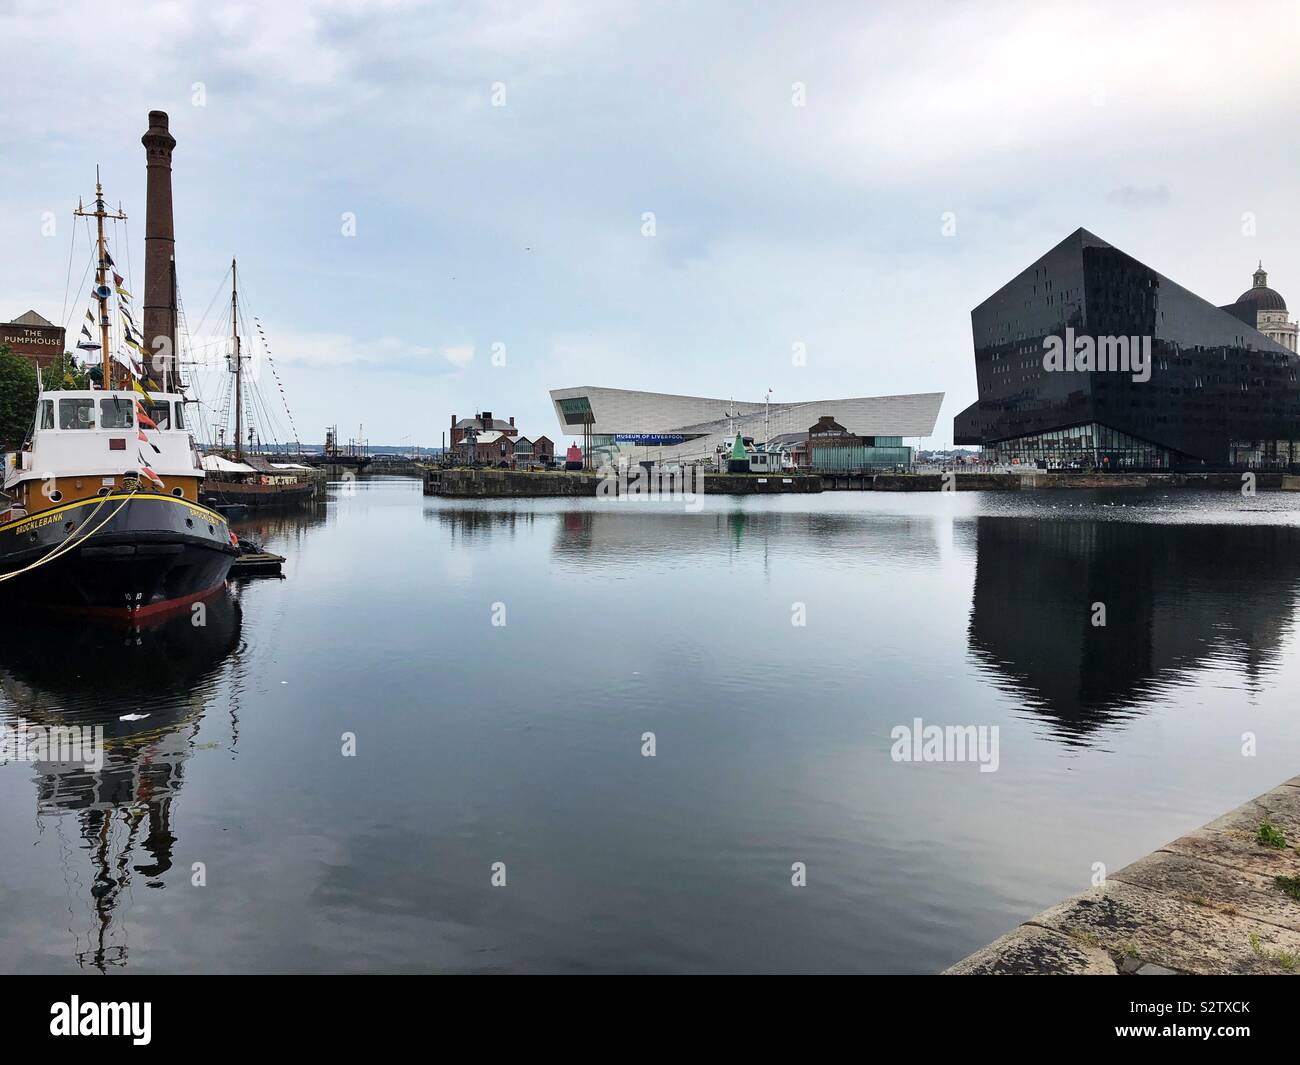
point(103, 510)
point(233, 475)
point(94, 524)
point(254, 482)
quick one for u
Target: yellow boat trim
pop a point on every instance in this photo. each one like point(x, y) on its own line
point(36, 520)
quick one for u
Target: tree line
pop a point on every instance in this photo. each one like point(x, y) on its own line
point(18, 391)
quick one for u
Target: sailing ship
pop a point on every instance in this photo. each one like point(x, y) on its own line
point(103, 510)
point(234, 478)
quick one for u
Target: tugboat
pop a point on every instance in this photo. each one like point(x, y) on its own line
point(103, 511)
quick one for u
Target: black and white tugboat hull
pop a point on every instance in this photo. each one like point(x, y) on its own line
point(132, 556)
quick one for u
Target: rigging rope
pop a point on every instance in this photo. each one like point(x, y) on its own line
point(284, 398)
point(73, 540)
point(130, 279)
point(67, 284)
point(254, 400)
point(67, 321)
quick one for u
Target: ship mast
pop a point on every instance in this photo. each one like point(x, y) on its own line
point(172, 370)
point(234, 334)
point(101, 276)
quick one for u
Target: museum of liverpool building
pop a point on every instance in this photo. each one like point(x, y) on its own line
point(1091, 359)
point(616, 424)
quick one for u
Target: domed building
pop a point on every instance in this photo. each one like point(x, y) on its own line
point(1265, 309)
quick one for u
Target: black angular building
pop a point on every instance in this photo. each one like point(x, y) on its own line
point(1218, 392)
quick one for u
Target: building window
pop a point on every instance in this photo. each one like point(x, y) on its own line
point(1082, 447)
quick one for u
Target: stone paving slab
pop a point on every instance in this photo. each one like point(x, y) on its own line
point(1206, 903)
point(1149, 925)
point(1038, 951)
point(1239, 851)
point(1281, 806)
point(1217, 886)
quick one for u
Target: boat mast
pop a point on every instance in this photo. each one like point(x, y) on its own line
point(172, 369)
point(101, 276)
point(234, 333)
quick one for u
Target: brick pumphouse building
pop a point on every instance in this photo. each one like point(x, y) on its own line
point(32, 337)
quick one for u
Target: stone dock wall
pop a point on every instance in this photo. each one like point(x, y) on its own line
point(1223, 899)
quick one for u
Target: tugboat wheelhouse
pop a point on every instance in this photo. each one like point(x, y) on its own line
point(96, 434)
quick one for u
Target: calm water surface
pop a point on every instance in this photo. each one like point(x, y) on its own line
point(521, 743)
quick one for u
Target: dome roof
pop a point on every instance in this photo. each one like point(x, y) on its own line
point(1264, 299)
point(1260, 296)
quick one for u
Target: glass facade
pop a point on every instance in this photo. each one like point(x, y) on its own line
point(874, 453)
point(1082, 447)
point(1213, 380)
point(576, 411)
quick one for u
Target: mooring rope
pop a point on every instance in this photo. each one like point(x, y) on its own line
point(74, 540)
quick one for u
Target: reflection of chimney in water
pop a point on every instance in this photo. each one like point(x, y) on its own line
point(159, 250)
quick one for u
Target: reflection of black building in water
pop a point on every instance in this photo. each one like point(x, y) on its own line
point(1176, 597)
point(158, 679)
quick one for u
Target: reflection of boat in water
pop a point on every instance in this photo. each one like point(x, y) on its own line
point(282, 530)
point(148, 692)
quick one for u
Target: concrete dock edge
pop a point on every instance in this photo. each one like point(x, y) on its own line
point(1222, 899)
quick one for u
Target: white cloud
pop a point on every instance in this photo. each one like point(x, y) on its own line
point(320, 350)
point(777, 224)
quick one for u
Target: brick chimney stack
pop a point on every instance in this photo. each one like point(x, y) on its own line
point(159, 248)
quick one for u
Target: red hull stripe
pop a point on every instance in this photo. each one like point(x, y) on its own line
point(153, 610)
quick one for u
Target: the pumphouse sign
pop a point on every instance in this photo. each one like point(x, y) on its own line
point(32, 337)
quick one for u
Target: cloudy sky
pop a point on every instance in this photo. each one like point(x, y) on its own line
point(500, 160)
